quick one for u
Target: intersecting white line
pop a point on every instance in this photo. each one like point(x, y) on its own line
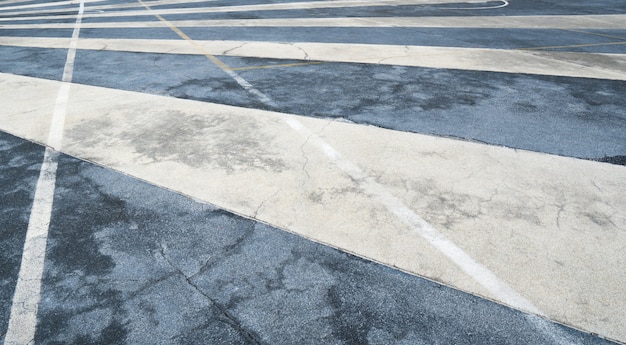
point(23, 317)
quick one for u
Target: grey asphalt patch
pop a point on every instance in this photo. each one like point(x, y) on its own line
point(36, 32)
point(182, 76)
point(139, 33)
point(440, 37)
point(20, 162)
point(131, 263)
point(145, 17)
point(49, 63)
point(67, 11)
point(573, 117)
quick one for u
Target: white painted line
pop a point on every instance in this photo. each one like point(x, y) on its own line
point(251, 89)
point(242, 82)
point(23, 317)
point(481, 274)
point(504, 4)
point(256, 7)
point(465, 262)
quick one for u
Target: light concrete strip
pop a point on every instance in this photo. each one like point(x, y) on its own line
point(585, 65)
point(617, 21)
point(552, 228)
point(536, 22)
point(599, 22)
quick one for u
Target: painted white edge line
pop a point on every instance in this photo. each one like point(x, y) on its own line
point(23, 318)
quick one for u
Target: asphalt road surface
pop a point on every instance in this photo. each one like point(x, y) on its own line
point(319, 172)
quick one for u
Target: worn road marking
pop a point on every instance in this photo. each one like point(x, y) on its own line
point(481, 274)
point(464, 261)
point(23, 317)
point(247, 68)
point(224, 67)
point(573, 46)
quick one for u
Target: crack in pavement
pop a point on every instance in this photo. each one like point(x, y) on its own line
point(228, 318)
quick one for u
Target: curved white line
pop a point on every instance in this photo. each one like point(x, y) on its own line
point(504, 4)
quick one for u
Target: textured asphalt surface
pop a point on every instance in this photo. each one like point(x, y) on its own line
point(131, 263)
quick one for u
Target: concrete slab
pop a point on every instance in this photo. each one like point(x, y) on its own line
point(585, 65)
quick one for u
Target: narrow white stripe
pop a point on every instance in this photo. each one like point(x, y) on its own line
point(481, 274)
point(23, 318)
point(251, 89)
point(464, 261)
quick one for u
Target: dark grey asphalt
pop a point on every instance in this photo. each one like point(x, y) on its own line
point(20, 162)
point(130, 263)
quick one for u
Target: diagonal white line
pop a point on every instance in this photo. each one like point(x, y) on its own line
point(474, 269)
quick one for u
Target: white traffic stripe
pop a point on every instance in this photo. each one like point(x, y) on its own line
point(23, 317)
point(464, 261)
point(481, 274)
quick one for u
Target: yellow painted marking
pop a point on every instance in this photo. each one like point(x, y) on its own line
point(184, 36)
point(595, 34)
point(573, 46)
point(622, 41)
point(277, 66)
point(212, 57)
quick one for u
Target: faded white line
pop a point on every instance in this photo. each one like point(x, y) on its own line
point(23, 317)
point(481, 274)
point(242, 82)
point(474, 269)
point(504, 4)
